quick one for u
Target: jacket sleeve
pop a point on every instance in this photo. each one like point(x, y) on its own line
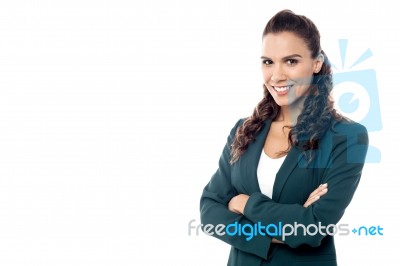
point(214, 207)
point(342, 175)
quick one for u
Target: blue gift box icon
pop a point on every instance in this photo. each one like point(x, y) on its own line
point(367, 80)
point(358, 96)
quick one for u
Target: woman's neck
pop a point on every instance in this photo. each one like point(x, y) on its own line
point(288, 114)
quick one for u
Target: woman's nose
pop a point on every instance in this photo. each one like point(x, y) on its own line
point(278, 74)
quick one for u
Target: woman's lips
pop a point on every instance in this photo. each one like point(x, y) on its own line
point(282, 90)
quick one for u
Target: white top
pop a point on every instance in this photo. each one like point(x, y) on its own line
point(266, 172)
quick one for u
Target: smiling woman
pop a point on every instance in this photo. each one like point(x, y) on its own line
point(288, 67)
point(278, 163)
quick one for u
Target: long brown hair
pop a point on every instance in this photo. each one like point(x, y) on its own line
point(318, 113)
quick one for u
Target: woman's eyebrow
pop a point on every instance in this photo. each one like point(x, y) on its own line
point(284, 58)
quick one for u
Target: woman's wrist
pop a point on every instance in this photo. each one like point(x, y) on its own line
point(238, 203)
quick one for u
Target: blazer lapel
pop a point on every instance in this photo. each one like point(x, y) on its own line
point(289, 164)
point(251, 158)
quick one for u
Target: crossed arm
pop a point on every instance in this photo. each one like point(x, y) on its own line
point(237, 203)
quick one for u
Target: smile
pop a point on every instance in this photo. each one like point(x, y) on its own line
point(281, 90)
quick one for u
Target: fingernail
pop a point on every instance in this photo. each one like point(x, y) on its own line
point(316, 197)
point(325, 190)
point(324, 185)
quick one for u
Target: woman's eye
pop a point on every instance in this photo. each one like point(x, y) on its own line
point(291, 62)
point(267, 62)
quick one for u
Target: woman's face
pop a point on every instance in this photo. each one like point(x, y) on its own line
point(287, 67)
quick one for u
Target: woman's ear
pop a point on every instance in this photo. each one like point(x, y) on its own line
point(319, 61)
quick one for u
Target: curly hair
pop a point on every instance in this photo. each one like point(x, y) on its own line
point(318, 113)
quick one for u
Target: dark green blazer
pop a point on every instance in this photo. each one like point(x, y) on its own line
point(338, 161)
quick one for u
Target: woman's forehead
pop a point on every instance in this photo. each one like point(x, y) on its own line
point(282, 44)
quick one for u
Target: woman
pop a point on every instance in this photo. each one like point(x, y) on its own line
point(279, 163)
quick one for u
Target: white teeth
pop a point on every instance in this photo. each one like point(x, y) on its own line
point(281, 89)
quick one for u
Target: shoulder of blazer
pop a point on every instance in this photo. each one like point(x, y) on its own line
point(350, 129)
point(348, 136)
point(345, 127)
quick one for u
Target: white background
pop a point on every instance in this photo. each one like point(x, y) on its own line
point(113, 115)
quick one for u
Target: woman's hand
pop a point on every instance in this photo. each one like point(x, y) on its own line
point(316, 194)
point(237, 203)
point(276, 241)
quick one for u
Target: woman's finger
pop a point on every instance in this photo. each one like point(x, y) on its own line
point(316, 195)
point(311, 200)
point(318, 190)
